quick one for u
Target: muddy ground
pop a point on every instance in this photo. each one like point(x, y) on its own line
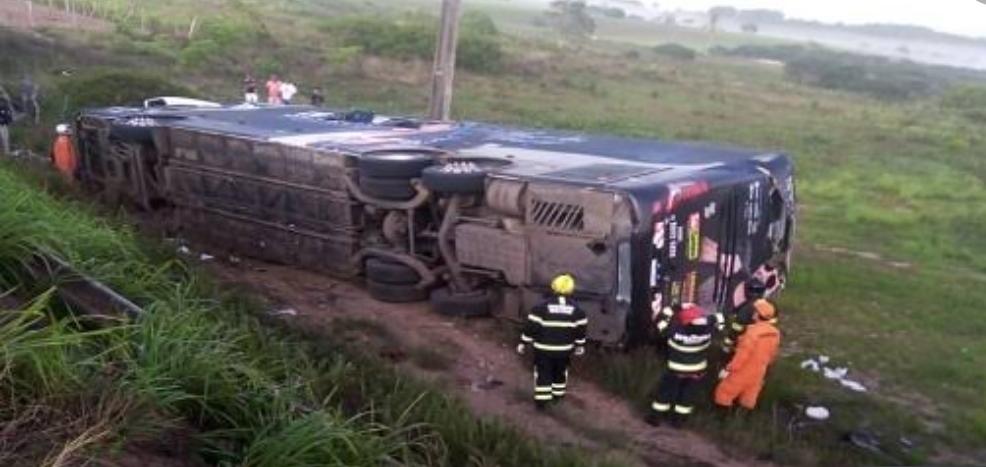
point(473, 359)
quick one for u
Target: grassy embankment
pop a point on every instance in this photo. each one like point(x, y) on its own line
point(197, 378)
point(882, 182)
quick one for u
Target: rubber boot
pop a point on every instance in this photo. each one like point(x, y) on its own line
point(723, 413)
point(677, 421)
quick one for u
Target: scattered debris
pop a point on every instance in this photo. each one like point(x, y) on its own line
point(853, 385)
point(817, 364)
point(206, 257)
point(285, 312)
point(486, 385)
point(835, 373)
point(811, 364)
point(184, 250)
point(235, 259)
point(817, 413)
point(864, 440)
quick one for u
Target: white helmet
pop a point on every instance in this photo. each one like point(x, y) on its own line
point(63, 129)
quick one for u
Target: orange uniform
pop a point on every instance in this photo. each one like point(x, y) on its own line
point(756, 350)
point(63, 155)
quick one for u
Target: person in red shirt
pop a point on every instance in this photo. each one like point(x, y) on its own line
point(274, 91)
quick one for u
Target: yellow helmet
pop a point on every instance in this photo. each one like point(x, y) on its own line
point(564, 284)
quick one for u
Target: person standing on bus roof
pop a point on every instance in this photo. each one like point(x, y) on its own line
point(250, 90)
point(274, 90)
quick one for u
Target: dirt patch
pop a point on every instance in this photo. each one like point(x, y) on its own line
point(17, 15)
point(483, 370)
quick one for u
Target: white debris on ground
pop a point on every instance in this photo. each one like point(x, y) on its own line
point(817, 412)
point(184, 250)
point(284, 312)
point(835, 373)
point(206, 257)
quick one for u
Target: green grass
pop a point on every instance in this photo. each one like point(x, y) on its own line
point(902, 180)
point(198, 362)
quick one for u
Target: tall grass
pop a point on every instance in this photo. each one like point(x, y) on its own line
point(197, 363)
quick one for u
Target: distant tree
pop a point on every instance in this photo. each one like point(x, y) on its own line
point(761, 16)
point(676, 51)
point(723, 11)
point(571, 18)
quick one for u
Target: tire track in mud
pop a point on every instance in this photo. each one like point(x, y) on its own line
point(483, 370)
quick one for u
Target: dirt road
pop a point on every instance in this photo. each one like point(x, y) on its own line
point(475, 361)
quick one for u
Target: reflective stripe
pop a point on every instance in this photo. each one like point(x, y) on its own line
point(526, 339)
point(558, 393)
point(684, 410)
point(582, 322)
point(720, 318)
point(738, 327)
point(542, 388)
point(558, 324)
point(535, 318)
point(543, 397)
point(675, 366)
point(662, 325)
point(579, 341)
point(687, 349)
point(660, 407)
point(558, 386)
point(540, 346)
point(667, 312)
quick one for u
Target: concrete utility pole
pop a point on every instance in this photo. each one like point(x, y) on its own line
point(443, 72)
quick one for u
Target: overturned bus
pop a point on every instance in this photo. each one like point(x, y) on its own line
point(476, 218)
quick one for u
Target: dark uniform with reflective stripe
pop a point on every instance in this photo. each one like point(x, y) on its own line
point(555, 329)
point(688, 349)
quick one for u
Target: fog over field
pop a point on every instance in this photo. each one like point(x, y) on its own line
point(953, 17)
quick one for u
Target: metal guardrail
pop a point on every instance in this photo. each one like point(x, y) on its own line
point(79, 290)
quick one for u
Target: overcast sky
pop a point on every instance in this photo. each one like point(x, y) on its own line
point(956, 16)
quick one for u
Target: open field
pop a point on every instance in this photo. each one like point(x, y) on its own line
point(889, 273)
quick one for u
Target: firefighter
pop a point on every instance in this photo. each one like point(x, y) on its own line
point(743, 315)
point(688, 332)
point(757, 348)
point(556, 329)
point(63, 152)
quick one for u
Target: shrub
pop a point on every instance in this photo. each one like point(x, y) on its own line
point(875, 76)
point(198, 53)
point(969, 100)
point(479, 46)
point(115, 87)
point(676, 51)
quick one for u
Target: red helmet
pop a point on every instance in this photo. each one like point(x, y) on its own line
point(690, 312)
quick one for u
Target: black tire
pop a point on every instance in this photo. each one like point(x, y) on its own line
point(394, 164)
point(463, 305)
point(397, 189)
point(389, 272)
point(390, 293)
point(444, 180)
